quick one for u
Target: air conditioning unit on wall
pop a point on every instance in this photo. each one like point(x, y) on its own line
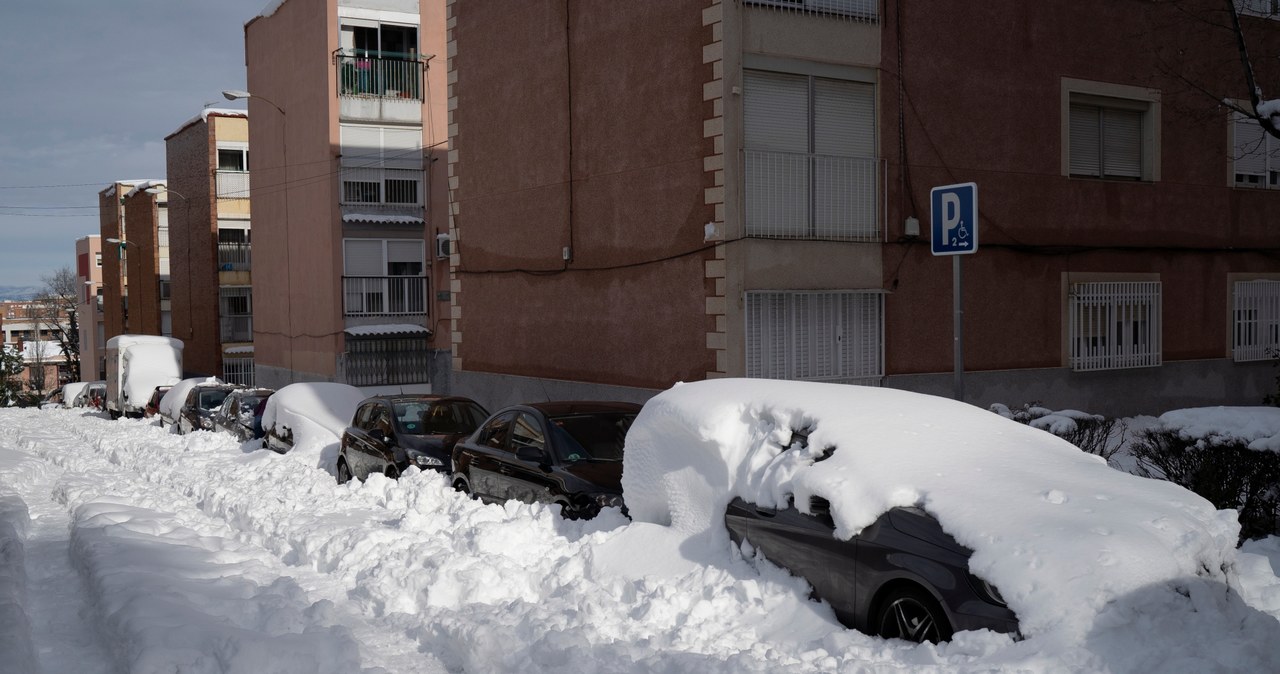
point(444, 245)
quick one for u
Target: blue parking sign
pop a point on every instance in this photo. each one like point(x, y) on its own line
point(953, 217)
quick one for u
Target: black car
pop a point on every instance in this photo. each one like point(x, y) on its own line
point(390, 433)
point(202, 401)
point(558, 452)
point(241, 413)
point(902, 577)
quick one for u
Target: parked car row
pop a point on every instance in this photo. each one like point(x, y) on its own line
point(210, 404)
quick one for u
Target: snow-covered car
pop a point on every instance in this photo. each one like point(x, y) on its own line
point(1060, 533)
point(241, 413)
point(304, 411)
point(203, 400)
point(170, 407)
point(71, 393)
point(389, 433)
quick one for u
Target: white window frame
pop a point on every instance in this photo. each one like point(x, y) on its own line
point(1255, 319)
point(1255, 154)
point(1113, 325)
point(379, 166)
point(1269, 9)
point(817, 182)
point(815, 335)
point(1120, 98)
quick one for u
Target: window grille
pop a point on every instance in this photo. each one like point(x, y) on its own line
point(238, 371)
point(855, 10)
point(834, 336)
point(1256, 320)
point(1114, 325)
point(376, 361)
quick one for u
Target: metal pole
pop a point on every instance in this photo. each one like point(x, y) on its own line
point(958, 327)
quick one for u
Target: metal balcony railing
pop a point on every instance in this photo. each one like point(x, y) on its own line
point(234, 256)
point(384, 295)
point(379, 76)
point(793, 195)
point(237, 329)
point(232, 184)
point(854, 10)
point(238, 371)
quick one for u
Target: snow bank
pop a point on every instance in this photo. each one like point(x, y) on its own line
point(1060, 533)
point(15, 626)
point(1259, 427)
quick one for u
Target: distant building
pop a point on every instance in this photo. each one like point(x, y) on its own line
point(135, 270)
point(89, 307)
point(348, 128)
point(210, 247)
point(30, 328)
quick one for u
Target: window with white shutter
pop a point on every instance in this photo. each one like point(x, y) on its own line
point(832, 336)
point(381, 164)
point(809, 157)
point(1255, 153)
point(1106, 141)
point(384, 277)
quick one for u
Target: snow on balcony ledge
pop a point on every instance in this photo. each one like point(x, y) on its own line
point(238, 349)
point(386, 329)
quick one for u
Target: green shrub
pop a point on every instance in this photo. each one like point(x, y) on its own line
point(1229, 475)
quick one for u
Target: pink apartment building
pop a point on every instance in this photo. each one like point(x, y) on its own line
point(89, 307)
point(349, 195)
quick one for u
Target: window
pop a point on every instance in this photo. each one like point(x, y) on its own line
point(1114, 325)
point(527, 432)
point(864, 9)
point(1255, 319)
point(1110, 131)
point(1268, 8)
point(1255, 152)
point(233, 159)
point(97, 260)
point(381, 165)
point(495, 432)
point(809, 157)
point(165, 290)
point(384, 277)
point(235, 312)
point(819, 336)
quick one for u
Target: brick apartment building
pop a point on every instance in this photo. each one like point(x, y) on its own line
point(673, 190)
point(89, 307)
point(207, 161)
point(347, 122)
point(135, 268)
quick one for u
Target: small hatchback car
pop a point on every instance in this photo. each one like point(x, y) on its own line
point(390, 433)
point(568, 453)
point(241, 413)
point(202, 401)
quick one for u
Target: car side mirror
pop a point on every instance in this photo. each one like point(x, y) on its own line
point(531, 454)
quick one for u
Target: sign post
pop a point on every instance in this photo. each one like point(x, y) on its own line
point(953, 219)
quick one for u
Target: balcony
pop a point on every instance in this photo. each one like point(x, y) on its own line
point(232, 184)
point(384, 296)
point(234, 256)
point(372, 86)
point(854, 10)
point(236, 329)
point(376, 193)
point(792, 195)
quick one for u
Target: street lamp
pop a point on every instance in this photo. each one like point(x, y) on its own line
point(240, 94)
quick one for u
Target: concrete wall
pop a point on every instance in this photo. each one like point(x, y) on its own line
point(110, 223)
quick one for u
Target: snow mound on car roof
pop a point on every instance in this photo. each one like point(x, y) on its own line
point(1054, 528)
point(315, 412)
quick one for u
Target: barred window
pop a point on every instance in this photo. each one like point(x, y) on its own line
point(1114, 325)
point(835, 336)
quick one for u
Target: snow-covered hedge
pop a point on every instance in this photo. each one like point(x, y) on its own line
point(1092, 433)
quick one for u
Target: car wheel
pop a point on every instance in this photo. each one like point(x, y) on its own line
point(460, 485)
point(912, 615)
point(392, 473)
point(344, 473)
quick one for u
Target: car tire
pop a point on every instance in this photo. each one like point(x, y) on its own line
point(392, 473)
point(460, 485)
point(909, 613)
point(344, 473)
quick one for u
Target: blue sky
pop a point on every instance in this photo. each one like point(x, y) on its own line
point(90, 91)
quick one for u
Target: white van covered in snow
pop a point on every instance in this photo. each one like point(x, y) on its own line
point(136, 365)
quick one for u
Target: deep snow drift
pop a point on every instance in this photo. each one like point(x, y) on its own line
point(203, 554)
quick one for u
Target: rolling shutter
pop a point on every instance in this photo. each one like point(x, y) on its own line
point(363, 257)
point(1086, 141)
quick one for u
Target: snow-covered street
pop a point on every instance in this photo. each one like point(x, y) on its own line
point(124, 548)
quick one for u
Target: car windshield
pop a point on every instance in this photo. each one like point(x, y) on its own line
point(591, 437)
point(212, 400)
point(442, 418)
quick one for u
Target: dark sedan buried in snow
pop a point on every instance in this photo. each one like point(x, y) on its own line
point(568, 453)
point(390, 433)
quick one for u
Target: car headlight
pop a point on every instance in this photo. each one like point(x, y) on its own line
point(206, 423)
point(424, 460)
point(988, 590)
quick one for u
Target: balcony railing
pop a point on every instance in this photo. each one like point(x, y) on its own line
point(232, 184)
point(810, 196)
point(386, 361)
point(384, 295)
point(234, 256)
point(856, 10)
point(237, 329)
point(238, 371)
point(379, 76)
